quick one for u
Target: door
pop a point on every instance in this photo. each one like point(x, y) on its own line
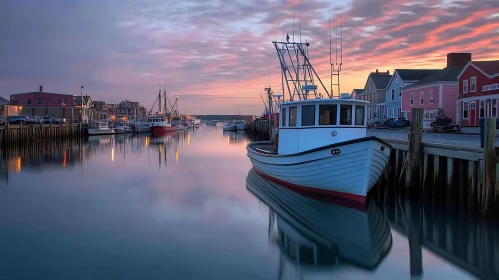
point(472, 115)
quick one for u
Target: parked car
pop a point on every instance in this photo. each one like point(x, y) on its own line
point(18, 119)
point(397, 123)
point(48, 119)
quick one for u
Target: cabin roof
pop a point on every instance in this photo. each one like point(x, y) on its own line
point(325, 100)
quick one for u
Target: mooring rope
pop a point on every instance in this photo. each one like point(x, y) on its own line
point(411, 134)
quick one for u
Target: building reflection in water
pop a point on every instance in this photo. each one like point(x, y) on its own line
point(314, 235)
point(68, 153)
point(235, 137)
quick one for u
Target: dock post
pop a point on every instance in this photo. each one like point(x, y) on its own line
point(489, 166)
point(415, 152)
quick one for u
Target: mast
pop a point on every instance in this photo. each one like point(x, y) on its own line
point(336, 65)
point(269, 96)
point(159, 105)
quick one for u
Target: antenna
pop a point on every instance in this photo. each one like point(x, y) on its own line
point(335, 71)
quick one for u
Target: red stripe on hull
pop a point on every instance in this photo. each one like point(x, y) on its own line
point(349, 200)
point(162, 129)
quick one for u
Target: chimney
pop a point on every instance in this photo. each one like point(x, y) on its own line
point(41, 88)
point(377, 71)
point(458, 59)
point(388, 72)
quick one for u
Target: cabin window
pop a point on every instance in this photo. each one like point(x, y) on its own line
point(292, 116)
point(283, 119)
point(308, 115)
point(345, 114)
point(327, 114)
point(359, 115)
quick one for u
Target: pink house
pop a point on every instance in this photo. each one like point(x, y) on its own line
point(437, 91)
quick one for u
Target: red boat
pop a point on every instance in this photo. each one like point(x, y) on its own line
point(160, 125)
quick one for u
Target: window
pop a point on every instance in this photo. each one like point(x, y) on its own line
point(28, 102)
point(308, 115)
point(393, 94)
point(431, 96)
point(465, 86)
point(494, 108)
point(472, 105)
point(421, 98)
point(399, 112)
point(66, 101)
point(432, 115)
point(473, 84)
point(359, 115)
point(39, 102)
point(292, 116)
point(412, 99)
point(345, 114)
point(328, 114)
point(283, 119)
point(400, 91)
point(58, 102)
point(482, 108)
point(465, 110)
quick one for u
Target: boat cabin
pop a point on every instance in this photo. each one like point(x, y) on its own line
point(313, 123)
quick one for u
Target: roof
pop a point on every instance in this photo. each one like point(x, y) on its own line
point(77, 99)
point(380, 81)
point(3, 101)
point(415, 74)
point(40, 92)
point(358, 90)
point(448, 74)
point(490, 67)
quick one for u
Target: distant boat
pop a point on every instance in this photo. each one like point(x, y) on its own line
point(197, 122)
point(311, 232)
point(102, 127)
point(230, 126)
point(211, 123)
point(241, 125)
point(123, 128)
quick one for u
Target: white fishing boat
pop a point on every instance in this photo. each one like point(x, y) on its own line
point(197, 122)
point(321, 144)
point(100, 127)
point(230, 126)
point(311, 232)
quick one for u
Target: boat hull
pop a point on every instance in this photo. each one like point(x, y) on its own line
point(156, 130)
point(119, 130)
point(97, 131)
point(241, 126)
point(142, 129)
point(344, 170)
point(230, 128)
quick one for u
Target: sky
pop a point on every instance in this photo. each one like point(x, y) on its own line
point(217, 55)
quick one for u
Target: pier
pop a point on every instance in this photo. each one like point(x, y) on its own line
point(18, 133)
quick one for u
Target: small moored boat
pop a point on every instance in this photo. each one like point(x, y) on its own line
point(230, 126)
point(101, 127)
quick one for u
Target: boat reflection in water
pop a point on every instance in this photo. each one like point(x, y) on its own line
point(313, 233)
point(235, 137)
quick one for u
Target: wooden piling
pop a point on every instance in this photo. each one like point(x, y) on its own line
point(489, 166)
point(415, 152)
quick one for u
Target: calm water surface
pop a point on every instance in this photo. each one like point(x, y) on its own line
point(187, 206)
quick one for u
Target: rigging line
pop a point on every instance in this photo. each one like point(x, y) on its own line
point(341, 39)
point(489, 43)
point(300, 21)
point(293, 23)
point(330, 38)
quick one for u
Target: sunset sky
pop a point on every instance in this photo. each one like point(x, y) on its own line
point(217, 55)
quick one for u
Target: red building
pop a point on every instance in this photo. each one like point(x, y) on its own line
point(40, 103)
point(478, 92)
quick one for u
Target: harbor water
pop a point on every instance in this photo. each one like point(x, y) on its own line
point(188, 206)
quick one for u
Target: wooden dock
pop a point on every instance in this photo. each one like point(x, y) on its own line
point(19, 133)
